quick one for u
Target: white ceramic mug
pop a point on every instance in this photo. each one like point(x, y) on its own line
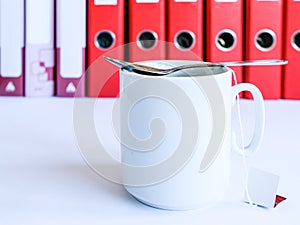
point(176, 134)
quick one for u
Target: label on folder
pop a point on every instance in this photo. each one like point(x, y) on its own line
point(185, 0)
point(226, 0)
point(105, 2)
point(147, 1)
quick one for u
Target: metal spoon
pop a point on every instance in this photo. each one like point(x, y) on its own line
point(148, 70)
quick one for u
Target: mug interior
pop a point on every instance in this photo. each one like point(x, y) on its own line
point(197, 71)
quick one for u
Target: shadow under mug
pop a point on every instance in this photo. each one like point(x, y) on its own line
point(176, 134)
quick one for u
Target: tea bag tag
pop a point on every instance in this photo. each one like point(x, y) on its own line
point(262, 188)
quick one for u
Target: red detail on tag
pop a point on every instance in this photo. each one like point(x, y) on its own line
point(278, 200)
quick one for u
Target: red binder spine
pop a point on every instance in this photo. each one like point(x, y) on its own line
point(147, 29)
point(224, 23)
point(291, 76)
point(105, 32)
point(264, 41)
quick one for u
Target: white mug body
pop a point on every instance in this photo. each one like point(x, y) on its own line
point(158, 113)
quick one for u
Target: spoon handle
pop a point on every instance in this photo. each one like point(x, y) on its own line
point(271, 62)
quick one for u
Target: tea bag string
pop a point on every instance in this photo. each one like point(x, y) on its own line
point(242, 141)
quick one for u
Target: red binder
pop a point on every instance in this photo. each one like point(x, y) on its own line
point(105, 32)
point(264, 41)
point(147, 29)
point(12, 47)
point(185, 29)
point(70, 47)
point(291, 76)
point(224, 32)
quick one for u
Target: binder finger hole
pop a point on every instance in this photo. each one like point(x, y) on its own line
point(147, 39)
point(226, 40)
point(265, 40)
point(184, 40)
point(296, 40)
point(105, 39)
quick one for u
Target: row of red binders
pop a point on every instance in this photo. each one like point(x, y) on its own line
point(48, 45)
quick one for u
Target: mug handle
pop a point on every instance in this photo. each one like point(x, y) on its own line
point(257, 138)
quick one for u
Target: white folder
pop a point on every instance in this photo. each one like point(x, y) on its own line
point(11, 46)
point(71, 43)
point(39, 52)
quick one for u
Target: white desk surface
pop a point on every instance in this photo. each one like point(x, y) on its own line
point(44, 180)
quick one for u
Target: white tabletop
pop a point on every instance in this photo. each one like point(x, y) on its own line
point(44, 179)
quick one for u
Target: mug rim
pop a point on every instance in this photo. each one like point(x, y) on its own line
point(191, 72)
